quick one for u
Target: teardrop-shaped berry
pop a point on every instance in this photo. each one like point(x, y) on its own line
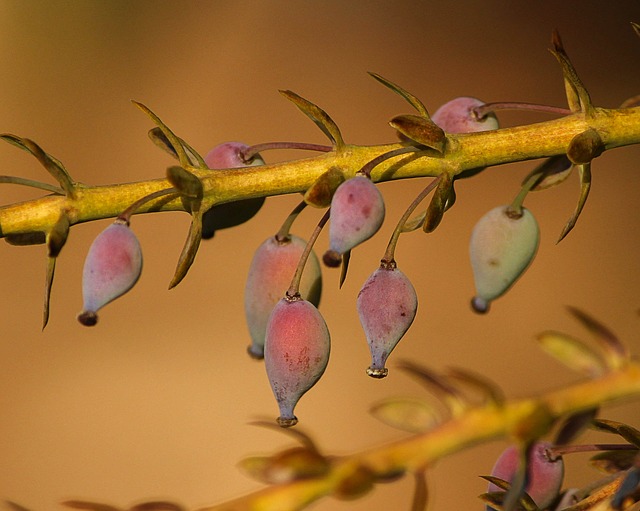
point(228, 155)
point(387, 305)
point(457, 116)
point(111, 268)
point(296, 353)
point(357, 212)
point(502, 246)
point(544, 474)
point(272, 268)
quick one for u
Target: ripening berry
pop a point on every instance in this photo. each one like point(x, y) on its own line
point(357, 212)
point(272, 268)
point(387, 305)
point(502, 246)
point(112, 267)
point(544, 475)
point(221, 216)
point(296, 353)
point(457, 116)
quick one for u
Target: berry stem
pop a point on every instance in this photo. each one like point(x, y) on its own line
point(125, 216)
point(283, 233)
point(248, 154)
point(483, 110)
point(389, 256)
point(514, 210)
point(370, 165)
point(293, 293)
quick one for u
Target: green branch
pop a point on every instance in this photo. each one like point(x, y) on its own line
point(616, 127)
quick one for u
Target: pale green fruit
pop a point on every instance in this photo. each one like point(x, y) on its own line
point(502, 246)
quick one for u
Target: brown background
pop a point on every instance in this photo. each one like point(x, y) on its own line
point(154, 402)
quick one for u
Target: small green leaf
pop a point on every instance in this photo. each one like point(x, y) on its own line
point(189, 250)
point(321, 191)
point(585, 146)
point(488, 388)
point(423, 131)
point(344, 267)
point(613, 462)
point(56, 239)
point(573, 425)
point(572, 352)
point(159, 139)
point(616, 354)
point(630, 434)
point(51, 164)
point(551, 172)
point(287, 466)
point(636, 28)
point(26, 238)
point(185, 182)
point(406, 414)
point(439, 203)
point(585, 186)
point(414, 223)
point(159, 505)
point(89, 506)
point(577, 95)
point(14, 180)
point(318, 116)
point(410, 98)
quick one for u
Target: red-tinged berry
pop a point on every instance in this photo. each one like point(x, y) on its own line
point(458, 116)
point(272, 268)
point(112, 267)
point(229, 155)
point(357, 212)
point(387, 305)
point(502, 246)
point(296, 353)
point(545, 475)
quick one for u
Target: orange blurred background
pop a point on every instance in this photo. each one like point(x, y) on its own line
point(155, 402)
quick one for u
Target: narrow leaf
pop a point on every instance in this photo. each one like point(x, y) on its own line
point(420, 492)
point(185, 182)
point(615, 351)
point(573, 84)
point(423, 131)
point(189, 250)
point(487, 387)
point(551, 172)
point(406, 414)
point(438, 204)
point(410, 98)
point(629, 433)
point(26, 238)
point(14, 180)
point(414, 223)
point(159, 139)
point(573, 425)
point(296, 433)
point(56, 239)
point(321, 191)
point(51, 268)
point(636, 28)
point(572, 352)
point(344, 267)
point(585, 186)
point(172, 139)
point(159, 505)
point(15, 506)
point(89, 506)
point(318, 116)
point(613, 462)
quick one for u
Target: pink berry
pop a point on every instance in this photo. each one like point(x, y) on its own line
point(357, 212)
point(457, 116)
point(387, 305)
point(228, 155)
point(112, 267)
point(296, 353)
point(544, 475)
point(272, 268)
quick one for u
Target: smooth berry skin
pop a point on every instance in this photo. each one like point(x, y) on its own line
point(357, 212)
point(501, 248)
point(272, 268)
point(457, 116)
point(387, 305)
point(296, 353)
point(545, 476)
point(228, 155)
point(111, 268)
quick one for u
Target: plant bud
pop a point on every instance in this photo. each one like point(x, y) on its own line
point(544, 475)
point(296, 353)
point(222, 216)
point(112, 267)
point(272, 268)
point(357, 212)
point(502, 246)
point(387, 305)
point(457, 116)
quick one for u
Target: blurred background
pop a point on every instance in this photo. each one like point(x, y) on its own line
point(155, 402)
